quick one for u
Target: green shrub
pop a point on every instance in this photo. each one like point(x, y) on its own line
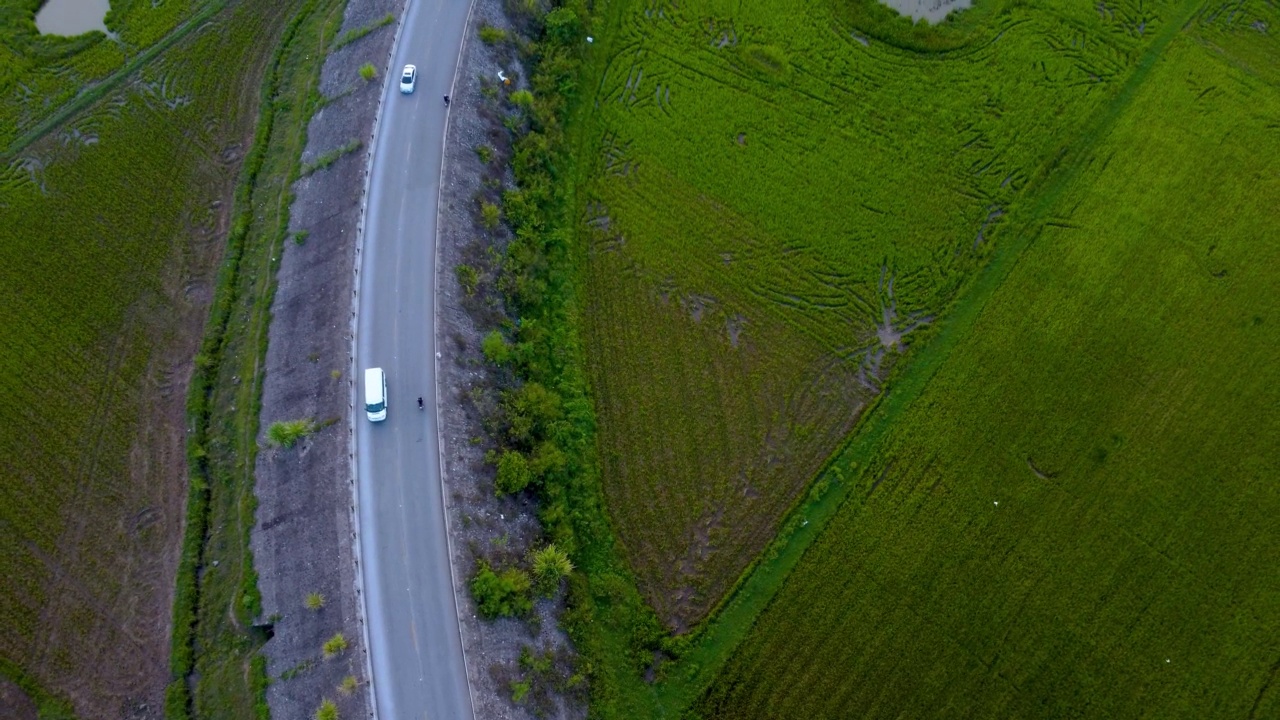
point(563, 26)
point(550, 564)
point(496, 348)
point(520, 688)
point(514, 474)
point(531, 411)
point(348, 685)
point(485, 153)
point(328, 710)
point(285, 433)
point(468, 278)
point(522, 99)
point(504, 594)
point(314, 601)
point(335, 645)
point(368, 71)
point(491, 35)
point(490, 215)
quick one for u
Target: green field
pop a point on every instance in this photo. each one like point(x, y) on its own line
point(114, 226)
point(1075, 517)
point(776, 200)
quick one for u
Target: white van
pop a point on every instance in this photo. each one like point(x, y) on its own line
point(375, 394)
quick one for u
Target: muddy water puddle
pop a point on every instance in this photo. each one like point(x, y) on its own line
point(72, 17)
point(932, 10)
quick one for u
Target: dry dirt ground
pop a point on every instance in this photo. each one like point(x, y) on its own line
point(304, 539)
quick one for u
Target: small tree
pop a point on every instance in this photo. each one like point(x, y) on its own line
point(335, 646)
point(368, 71)
point(550, 564)
point(314, 601)
point(284, 433)
point(328, 710)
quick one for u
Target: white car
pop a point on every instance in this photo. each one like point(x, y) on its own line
point(408, 78)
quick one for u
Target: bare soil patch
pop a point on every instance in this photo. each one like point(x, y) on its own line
point(303, 539)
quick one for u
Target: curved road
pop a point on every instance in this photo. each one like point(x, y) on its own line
point(414, 642)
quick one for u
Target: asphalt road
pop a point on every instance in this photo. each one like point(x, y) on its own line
point(414, 641)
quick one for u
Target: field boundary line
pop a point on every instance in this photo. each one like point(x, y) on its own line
point(756, 588)
point(99, 91)
point(435, 333)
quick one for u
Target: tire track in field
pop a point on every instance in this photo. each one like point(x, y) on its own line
point(725, 632)
point(103, 88)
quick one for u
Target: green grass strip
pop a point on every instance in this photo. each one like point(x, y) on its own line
point(762, 581)
point(97, 92)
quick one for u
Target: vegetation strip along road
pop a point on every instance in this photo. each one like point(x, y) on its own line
point(221, 607)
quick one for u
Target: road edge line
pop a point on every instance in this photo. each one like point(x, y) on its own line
point(353, 327)
point(435, 332)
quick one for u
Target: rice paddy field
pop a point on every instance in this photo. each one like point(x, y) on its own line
point(777, 201)
point(1073, 514)
point(115, 212)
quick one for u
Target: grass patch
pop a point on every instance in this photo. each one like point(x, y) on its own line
point(328, 710)
point(490, 35)
point(285, 433)
point(334, 646)
point(351, 36)
point(325, 159)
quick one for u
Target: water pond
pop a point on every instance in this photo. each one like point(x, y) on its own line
point(72, 17)
point(932, 10)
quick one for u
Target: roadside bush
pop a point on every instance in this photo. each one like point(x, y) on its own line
point(563, 26)
point(348, 685)
point(522, 99)
point(531, 411)
point(514, 474)
point(504, 594)
point(328, 710)
point(550, 564)
point(496, 348)
point(490, 35)
point(485, 153)
point(335, 645)
point(285, 433)
point(468, 279)
point(490, 215)
point(314, 601)
point(368, 71)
